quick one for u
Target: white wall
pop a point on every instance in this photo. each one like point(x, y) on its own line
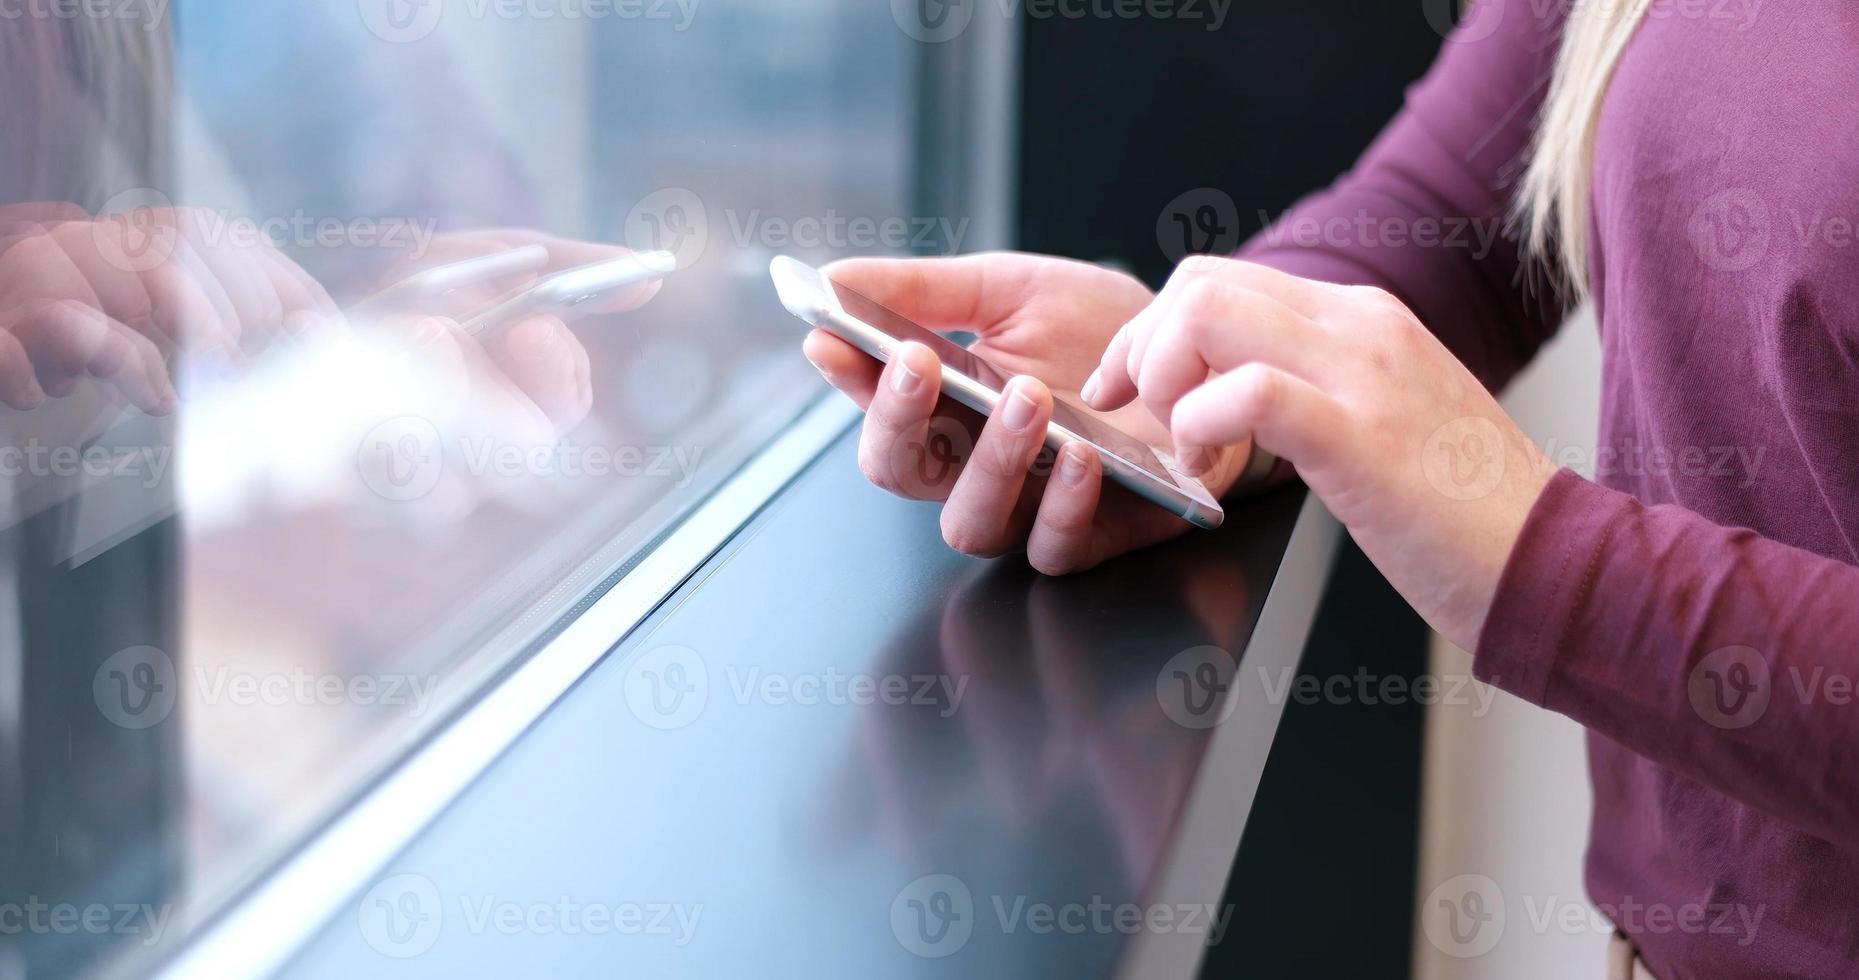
point(1506, 793)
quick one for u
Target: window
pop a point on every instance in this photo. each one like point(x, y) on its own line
point(225, 614)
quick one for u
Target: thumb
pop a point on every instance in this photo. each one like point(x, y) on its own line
point(968, 292)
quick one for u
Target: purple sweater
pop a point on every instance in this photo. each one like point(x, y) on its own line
point(1697, 608)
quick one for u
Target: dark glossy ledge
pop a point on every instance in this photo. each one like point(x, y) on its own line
point(888, 760)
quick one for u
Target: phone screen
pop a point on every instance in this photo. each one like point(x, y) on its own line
point(1076, 418)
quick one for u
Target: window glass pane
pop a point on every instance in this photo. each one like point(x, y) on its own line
point(303, 445)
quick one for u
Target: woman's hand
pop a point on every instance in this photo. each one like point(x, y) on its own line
point(1044, 320)
point(1403, 444)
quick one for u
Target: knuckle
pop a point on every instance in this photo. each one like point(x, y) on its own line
point(1201, 300)
point(1063, 524)
point(1399, 338)
point(1381, 301)
point(1201, 265)
point(1260, 390)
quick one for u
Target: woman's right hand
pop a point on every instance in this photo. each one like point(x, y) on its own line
point(1045, 320)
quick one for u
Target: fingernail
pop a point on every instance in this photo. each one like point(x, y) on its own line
point(903, 380)
point(1017, 414)
point(1071, 467)
point(1089, 394)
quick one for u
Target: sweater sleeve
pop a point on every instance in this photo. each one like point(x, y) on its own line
point(1423, 213)
point(1716, 652)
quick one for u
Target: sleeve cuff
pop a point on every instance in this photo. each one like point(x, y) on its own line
point(1545, 586)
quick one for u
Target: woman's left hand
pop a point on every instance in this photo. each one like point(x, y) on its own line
point(1403, 444)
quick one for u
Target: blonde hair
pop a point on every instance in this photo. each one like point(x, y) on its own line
point(1552, 202)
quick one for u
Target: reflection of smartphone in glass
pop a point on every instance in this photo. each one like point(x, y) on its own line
point(564, 292)
point(429, 289)
point(968, 379)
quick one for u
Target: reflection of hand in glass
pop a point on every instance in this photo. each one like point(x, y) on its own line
point(1059, 717)
point(535, 366)
point(107, 298)
point(1047, 319)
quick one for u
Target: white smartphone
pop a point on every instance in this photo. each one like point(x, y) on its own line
point(967, 378)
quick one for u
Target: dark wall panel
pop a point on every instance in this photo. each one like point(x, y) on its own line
point(1124, 124)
